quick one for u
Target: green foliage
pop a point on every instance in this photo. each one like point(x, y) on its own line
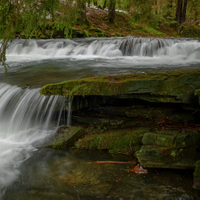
point(32, 18)
point(28, 18)
point(118, 34)
point(190, 30)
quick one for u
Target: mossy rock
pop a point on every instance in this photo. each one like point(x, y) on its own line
point(120, 140)
point(163, 157)
point(172, 87)
point(66, 137)
point(172, 139)
point(164, 140)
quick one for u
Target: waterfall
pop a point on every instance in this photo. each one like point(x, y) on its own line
point(69, 111)
point(27, 119)
point(110, 47)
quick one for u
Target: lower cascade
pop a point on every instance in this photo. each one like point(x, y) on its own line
point(27, 119)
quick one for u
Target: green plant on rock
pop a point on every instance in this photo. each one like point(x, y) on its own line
point(197, 169)
point(118, 34)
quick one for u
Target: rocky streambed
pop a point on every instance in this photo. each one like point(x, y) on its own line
point(153, 117)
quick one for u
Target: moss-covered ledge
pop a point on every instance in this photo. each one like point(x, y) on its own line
point(175, 86)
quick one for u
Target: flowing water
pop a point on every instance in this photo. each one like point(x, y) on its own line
point(39, 62)
point(28, 119)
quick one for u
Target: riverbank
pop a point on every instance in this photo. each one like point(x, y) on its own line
point(99, 26)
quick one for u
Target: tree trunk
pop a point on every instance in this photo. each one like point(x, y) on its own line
point(178, 14)
point(156, 7)
point(81, 12)
point(184, 11)
point(104, 4)
point(88, 3)
point(111, 11)
point(95, 2)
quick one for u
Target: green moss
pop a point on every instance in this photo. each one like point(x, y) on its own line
point(97, 32)
point(118, 34)
point(173, 153)
point(57, 145)
point(190, 30)
point(197, 169)
point(176, 86)
point(86, 33)
point(126, 141)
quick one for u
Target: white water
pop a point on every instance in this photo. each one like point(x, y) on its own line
point(130, 49)
point(25, 123)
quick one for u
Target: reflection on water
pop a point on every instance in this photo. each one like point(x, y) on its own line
point(54, 174)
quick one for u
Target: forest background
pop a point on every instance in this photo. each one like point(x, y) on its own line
point(96, 18)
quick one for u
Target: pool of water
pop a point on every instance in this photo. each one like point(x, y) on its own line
point(56, 174)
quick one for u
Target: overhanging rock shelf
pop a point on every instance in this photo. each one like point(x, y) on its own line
point(154, 116)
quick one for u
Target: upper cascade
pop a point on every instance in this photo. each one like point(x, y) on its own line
point(107, 47)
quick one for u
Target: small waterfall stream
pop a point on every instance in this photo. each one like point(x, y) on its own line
point(69, 111)
point(26, 121)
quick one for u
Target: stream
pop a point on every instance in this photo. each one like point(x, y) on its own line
point(28, 119)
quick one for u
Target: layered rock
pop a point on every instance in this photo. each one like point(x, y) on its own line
point(169, 149)
point(155, 116)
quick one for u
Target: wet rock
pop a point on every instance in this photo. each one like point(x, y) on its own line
point(80, 102)
point(66, 137)
point(91, 120)
point(197, 93)
point(111, 110)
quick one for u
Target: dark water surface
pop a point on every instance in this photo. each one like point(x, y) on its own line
point(55, 174)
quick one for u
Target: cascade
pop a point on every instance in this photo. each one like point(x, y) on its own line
point(114, 47)
point(27, 120)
